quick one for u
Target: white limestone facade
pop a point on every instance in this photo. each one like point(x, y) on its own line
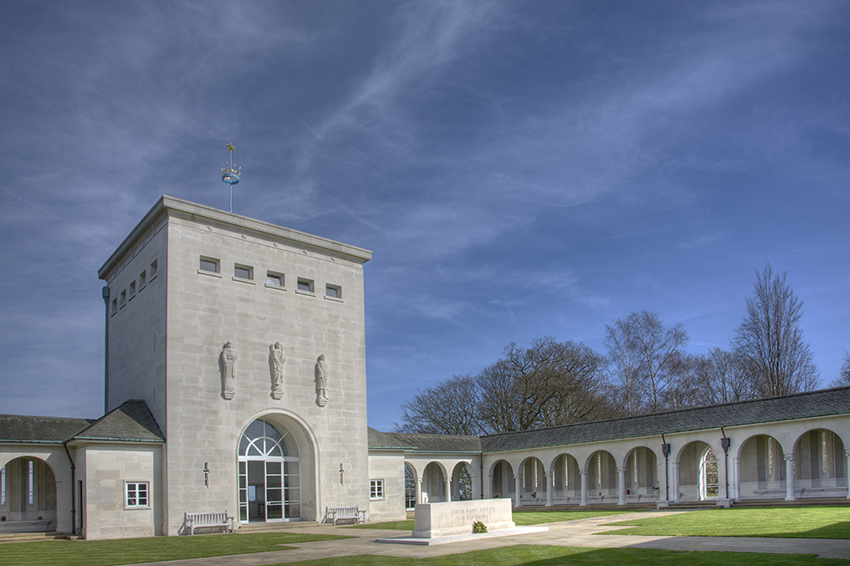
point(188, 280)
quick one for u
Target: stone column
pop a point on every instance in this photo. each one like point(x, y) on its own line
point(789, 478)
point(448, 489)
point(518, 489)
point(674, 482)
point(847, 471)
point(622, 487)
point(419, 490)
point(490, 487)
point(549, 479)
point(736, 479)
point(583, 486)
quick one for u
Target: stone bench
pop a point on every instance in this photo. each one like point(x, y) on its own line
point(200, 520)
point(334, 514)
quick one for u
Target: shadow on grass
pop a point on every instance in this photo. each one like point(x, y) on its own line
point(154, 549)
point(533, 555)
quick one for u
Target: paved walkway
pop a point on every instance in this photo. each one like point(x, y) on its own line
point(570, 533)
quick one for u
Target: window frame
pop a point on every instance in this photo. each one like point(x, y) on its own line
point(137, 491)
point(336, 289)
point(376, 490)
point(275, 275)
point(237, 267)
point(205, 261)
point(310, 285)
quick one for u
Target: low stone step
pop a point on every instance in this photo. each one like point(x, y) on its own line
point(275, 527)
point(31, 537)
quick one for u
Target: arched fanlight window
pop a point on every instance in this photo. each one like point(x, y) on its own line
point(263, 440)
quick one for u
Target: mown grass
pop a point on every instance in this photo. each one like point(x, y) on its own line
point(777, 522)
point(156, 549)
point(521, 518)
point(530, 555)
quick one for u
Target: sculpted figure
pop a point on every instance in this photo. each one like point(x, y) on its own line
point(227, 364)
point(321, 381)
point(277, 361)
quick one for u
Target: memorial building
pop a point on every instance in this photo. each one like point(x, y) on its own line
point(235, 378)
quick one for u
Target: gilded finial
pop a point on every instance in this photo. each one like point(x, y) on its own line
point(231, 147)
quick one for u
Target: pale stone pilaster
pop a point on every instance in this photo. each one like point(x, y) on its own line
point(736, 479)
point(549, 479)
point(674, 483)
point(583, 486)
point(518, 489)
point(847, 471)
point(490, 487)
point(448, 489)
point(789, 478)
point(419, 491)
point(621, 488)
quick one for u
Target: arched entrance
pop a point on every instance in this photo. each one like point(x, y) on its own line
point(567, 479)
point(269, 474)
point(762, 468)
point(601, 477)
point(409, 487)
point(698, 472)
point(641, 475)
point(462, 483)
point(28, 494)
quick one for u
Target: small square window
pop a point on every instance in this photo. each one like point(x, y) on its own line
point(243, 271)
point(333, 291)
point(209, 264)
point(305, 285)
point(274, 279)
point(153, 269)
point(132, 289)
point(137, 494)
point(123, 298)
point(376, 489)
point(142, 280)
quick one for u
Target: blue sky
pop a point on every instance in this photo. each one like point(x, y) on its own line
point(519, 169)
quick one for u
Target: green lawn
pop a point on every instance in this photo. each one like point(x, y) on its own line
point(783, 522)
point(530, 555)
point(521, 518)
point(129, 551)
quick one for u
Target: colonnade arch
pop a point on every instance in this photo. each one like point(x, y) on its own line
point(697, 472)
point(641, 471)
point(819, 462)
point(28, 492)
point(602, 476)
point(566, 479)
point(532, 481)
point(430, 480)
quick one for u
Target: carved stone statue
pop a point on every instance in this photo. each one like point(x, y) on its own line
point(227, 365)
point(276, 360)
point(321, 381)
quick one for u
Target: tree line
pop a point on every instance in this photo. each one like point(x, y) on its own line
point(645, 370)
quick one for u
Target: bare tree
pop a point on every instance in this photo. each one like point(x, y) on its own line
point(769, 341)
point(450, 407)
point(643, 353)
point(551, 383)
point(844, 377)
point(624, 362)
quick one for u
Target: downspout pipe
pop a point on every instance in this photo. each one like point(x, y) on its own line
point(665, 449)
point(481, 464)
point(105, 292)
point(725, 443)
point(73, 487)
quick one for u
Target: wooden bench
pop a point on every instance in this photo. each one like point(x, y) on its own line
point(199, 520)
point(345, 514)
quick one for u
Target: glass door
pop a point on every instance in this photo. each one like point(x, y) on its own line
point(274, 491)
